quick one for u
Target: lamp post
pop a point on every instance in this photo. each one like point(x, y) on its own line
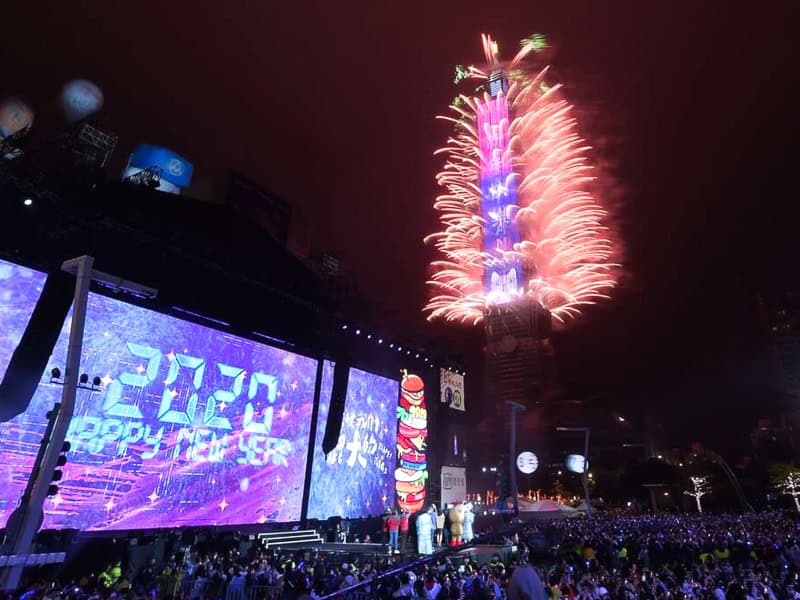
point(32, 511)
point(512, 455)
point(585, 474)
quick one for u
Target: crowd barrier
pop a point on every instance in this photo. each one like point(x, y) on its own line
point(203, 589)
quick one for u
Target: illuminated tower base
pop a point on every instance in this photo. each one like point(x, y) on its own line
point(517, 353)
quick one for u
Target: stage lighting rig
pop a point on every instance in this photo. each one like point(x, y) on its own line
point(83, 380)
point(11, 146)
point(149, 177)
point(90, 146)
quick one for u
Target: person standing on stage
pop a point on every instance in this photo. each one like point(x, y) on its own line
point(469, 520)
point(439, 523)
point(404, 518)
point(393, 523)
point(425, 532)
point(386, 515)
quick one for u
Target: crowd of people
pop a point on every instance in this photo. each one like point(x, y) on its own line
point(698, 557)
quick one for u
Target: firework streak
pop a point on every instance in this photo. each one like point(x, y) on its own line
point(412, 472)
point(518, 215)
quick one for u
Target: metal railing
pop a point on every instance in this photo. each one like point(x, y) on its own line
point(204, 589)
point(369, 588)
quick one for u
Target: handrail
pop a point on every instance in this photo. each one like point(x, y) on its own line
point(378, 577)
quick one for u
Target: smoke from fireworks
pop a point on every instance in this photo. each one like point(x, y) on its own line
point(518, 213)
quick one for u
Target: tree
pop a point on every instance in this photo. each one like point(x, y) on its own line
point(699, 489)
point(786, 477)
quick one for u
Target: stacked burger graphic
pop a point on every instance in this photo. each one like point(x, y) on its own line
point(412, 470)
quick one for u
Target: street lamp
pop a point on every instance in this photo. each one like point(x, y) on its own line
point(584, 475)
point(512, 456)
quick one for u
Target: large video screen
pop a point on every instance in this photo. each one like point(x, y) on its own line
point(193, 426)
point(356, 479)
point(20, 289)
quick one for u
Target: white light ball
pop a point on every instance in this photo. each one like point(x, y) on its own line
point(14, 116)
point(80, 99)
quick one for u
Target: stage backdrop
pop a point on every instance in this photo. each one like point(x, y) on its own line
point(193, 426)
point(20, 289)
point(454, 485)
point(356, 479)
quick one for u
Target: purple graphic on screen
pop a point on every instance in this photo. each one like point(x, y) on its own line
point(193, 427)
point(356, 479)
point(20, 289)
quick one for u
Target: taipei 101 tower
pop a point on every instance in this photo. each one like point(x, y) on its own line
point(524, 242)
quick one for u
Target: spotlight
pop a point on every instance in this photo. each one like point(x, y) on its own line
point(417, 355)
point(380, 341)
point(399, 348)
point(369, 337)
point(391, 345)
point(426, 359)
point(358, 332)
point(27, 201)
point(344, 327)
point(55, 373)
point(83, 379)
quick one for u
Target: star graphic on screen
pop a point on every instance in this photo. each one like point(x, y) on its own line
point(278, 479)
point(385, 430)
point(279, 394)
point(347, 501)
point(223, 505)
point(106, 379)
point(384, 498)
point(222, 406)
point(294, 386)
point(140, 369)
point(57, 499)
point(110, 504)
point(283, 412)
point(153, 497)
point(173, 393)
point(170, 356)
point(262, 519)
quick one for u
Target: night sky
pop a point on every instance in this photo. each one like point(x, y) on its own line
point(691, 106)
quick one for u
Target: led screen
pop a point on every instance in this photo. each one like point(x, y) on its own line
point(20, 289)
point(192, 427)
point(356, 479)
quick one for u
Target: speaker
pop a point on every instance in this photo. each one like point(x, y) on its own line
point(33, 352)
point(333, 427)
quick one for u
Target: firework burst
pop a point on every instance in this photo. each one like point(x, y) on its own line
point(518, 214)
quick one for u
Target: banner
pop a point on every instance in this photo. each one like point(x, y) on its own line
point(452, 389)
point(454, 485)
point(175, 169)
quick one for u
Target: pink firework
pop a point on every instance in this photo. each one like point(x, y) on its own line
point(518, 214)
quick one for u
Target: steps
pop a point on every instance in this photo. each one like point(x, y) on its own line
point(290, 538)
